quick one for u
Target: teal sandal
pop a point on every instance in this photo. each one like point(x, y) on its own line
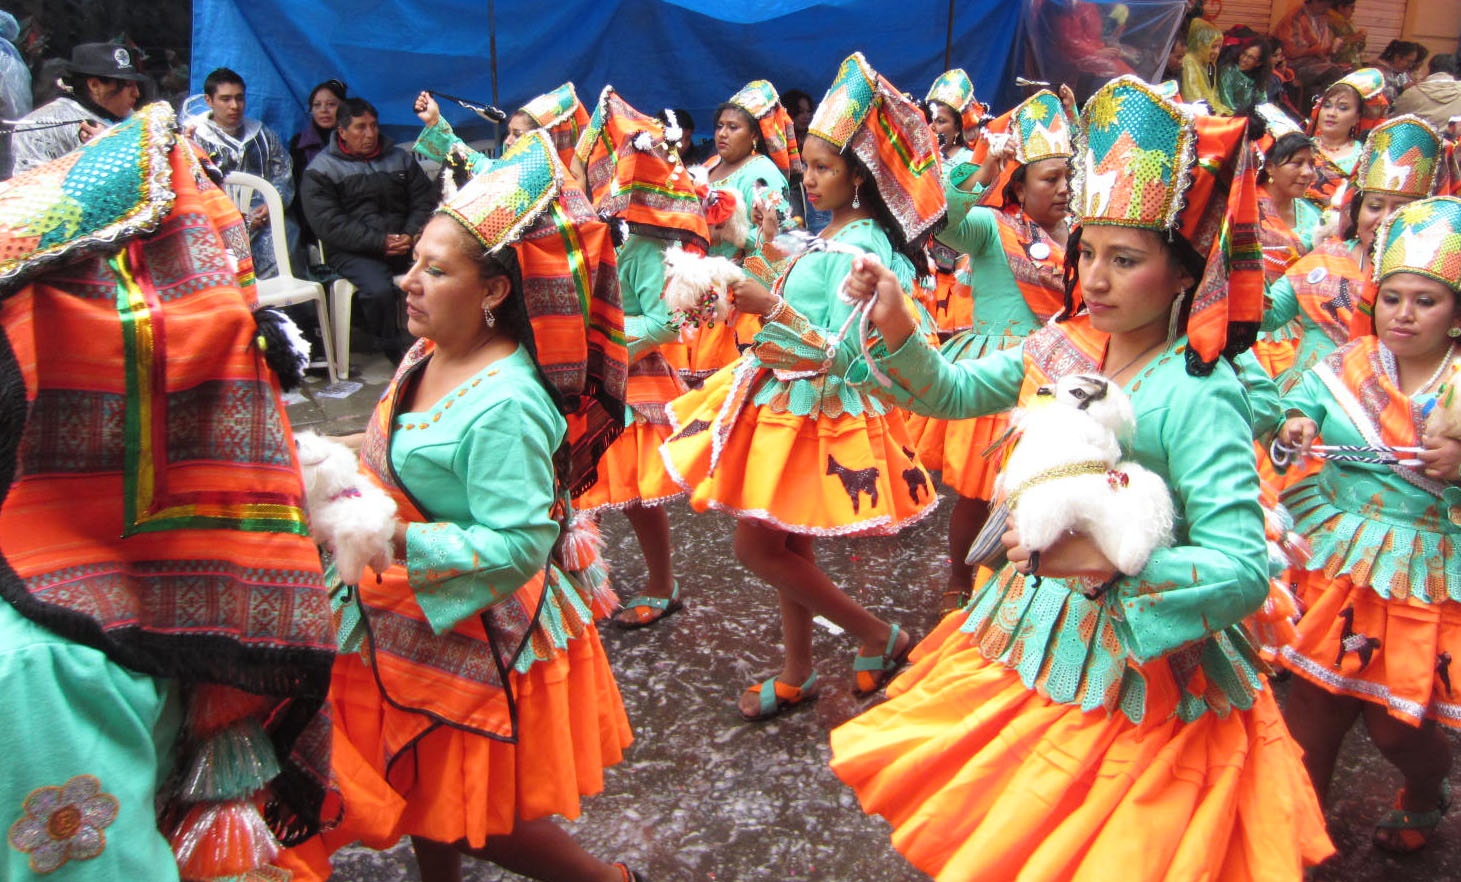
point(775, 697)
point(1413, 830)
point(872, 671)
point(647, 610)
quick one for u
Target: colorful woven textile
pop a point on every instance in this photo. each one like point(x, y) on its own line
point(562, 116)
point(760, 100)
point(153, 507)
point(636, 176)
point(955, 89)
point(865, 112)
point(569, 284)
point(1148, 163)
point(1401, 157)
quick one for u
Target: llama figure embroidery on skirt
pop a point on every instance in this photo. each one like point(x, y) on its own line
point(1066, 474)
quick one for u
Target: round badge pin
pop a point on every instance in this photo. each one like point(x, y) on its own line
point(1317, 275)
point(1039, 251)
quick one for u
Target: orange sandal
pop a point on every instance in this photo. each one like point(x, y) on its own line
point(1411, 831)
point(872, 671)
point(775, 697)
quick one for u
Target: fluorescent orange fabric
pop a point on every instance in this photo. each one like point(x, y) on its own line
point(708, 349)
point(985, 780)
point(775, 467)
point(1405, 677)
point(631, 471)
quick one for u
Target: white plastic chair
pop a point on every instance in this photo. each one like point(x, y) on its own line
point(283, 289)
point(342, 290)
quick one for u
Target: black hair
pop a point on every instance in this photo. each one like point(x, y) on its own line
point(221, 76)
point(792, 97)
point(351, 108)
point(1008, 198)
point(334, 87)
point(873, 200)
point(1241, 335)
point(1443, 62)
point(759, 145)
point(1284, 148)
point(958, 119)
point(1396, 48)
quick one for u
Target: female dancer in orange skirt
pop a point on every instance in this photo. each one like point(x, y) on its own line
point(1094, 723)
point(955, 116)
point(635, 176)
point(481, 701)
point(1400, 163)
point(781, 440)
point(1287, 223)
point(755, 152)
point(1016, 251)
point(1384, 583)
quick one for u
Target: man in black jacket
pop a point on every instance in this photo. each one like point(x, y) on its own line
point(368, 202)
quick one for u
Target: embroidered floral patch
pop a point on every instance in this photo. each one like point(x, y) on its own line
point(65, 823)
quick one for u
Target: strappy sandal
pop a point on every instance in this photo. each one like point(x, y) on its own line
point(1412, 830)
point(775, 697)
point(872, 671)
point(647, 610)
point(629, 875)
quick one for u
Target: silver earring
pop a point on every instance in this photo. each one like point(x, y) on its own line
point(856, 202)
point(487, 316)
point(1453, 333)
point(1176, 316)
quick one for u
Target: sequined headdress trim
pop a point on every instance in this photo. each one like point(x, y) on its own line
point(1040, 130)
point(1424, 238)
point(1369, 82)
point(1401, 157)
point(866, 113)
point(112, 188)
point(562, 115)
point(955, 89)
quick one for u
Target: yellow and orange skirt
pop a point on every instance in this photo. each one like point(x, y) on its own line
point(985, 779)
point(821, 475)
point(708, 349)
point(1412, 669)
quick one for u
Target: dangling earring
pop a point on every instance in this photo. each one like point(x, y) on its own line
point(487, 316)
point(1453, 332)
point(1175, 317)
point(856, 192)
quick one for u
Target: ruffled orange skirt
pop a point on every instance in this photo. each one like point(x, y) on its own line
point(984, 779)
point(1402, 655)
point(951, 302)
point(631, 471)
point(960, 450)
point(454, 785)
point(824, 476)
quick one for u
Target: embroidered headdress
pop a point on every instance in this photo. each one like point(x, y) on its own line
point(1422, 237)
point(635, 174)
point(562, 115)
point(569, 284)
point(1369, 82)
point(759, 99)
point(1401, 157)
point(955, 89)
point(869, 115)
point(1038, 128)
point(1145, 162)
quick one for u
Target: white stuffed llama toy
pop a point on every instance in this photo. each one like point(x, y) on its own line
point(348, 514)
point(1066, 474)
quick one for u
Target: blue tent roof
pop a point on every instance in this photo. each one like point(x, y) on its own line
point(657, 53)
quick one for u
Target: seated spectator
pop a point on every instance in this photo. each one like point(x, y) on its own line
point(1351, 51)
point(1435, 99)
point(367, 202)
point(1283, 85)
point(14, 85)
point(236, 143)
point(1243, 74)
point(1199, 71)
point(1309, 44)
point(102, 89)
point(1396, 63)
point(307, 143)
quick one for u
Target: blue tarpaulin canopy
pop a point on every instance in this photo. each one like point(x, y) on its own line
point(656, 53)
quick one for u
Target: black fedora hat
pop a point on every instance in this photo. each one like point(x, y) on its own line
point(104, 60)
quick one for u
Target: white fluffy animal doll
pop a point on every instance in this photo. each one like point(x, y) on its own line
point(1066, 474)
point(348, 514)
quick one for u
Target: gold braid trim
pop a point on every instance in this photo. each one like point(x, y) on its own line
point(1075, 469)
